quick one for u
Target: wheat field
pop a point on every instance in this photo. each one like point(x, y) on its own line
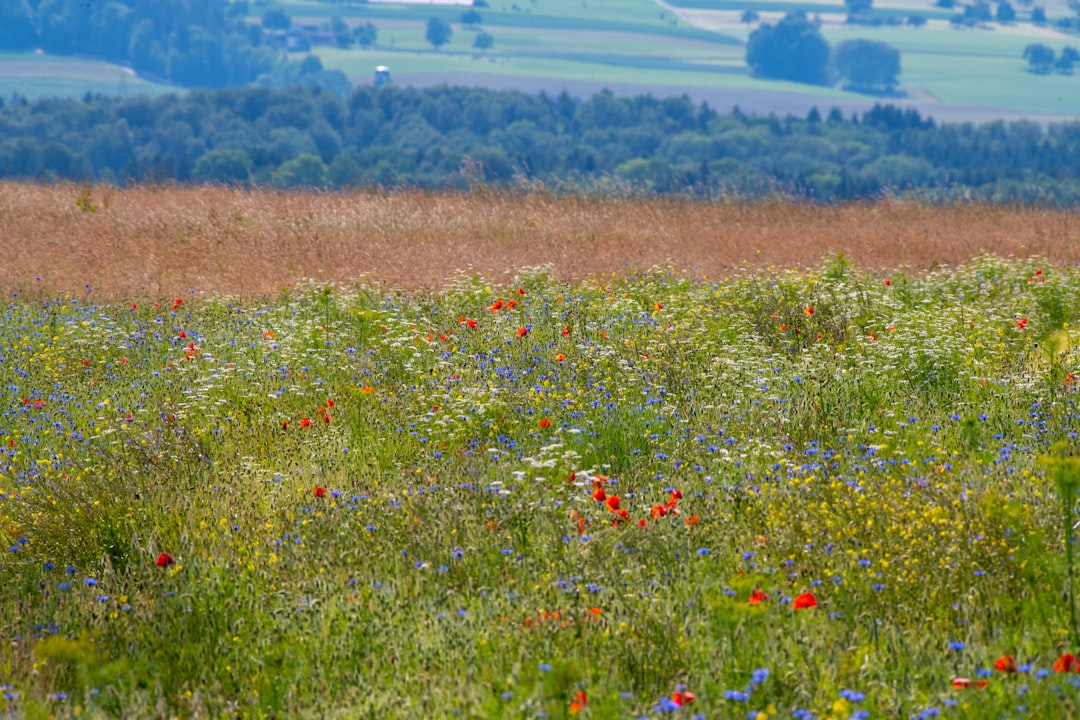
point(158, 241)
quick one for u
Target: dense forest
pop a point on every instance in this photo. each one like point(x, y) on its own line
point(205, 43)
point(452, 136)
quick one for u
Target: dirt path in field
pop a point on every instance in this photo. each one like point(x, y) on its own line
point(154, 243)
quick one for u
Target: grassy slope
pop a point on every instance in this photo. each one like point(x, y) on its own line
point(33, 76)
point(961, 67)
point(633, 43)
point(636, 44)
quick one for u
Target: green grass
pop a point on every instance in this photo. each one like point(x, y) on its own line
point(33, 76)
point(378, 508)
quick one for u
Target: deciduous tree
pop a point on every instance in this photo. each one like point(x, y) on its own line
point(366, 34)
point(438, 32)
point(1040, 58)
point(867, 65)
point(793, 49)
point(483, 41)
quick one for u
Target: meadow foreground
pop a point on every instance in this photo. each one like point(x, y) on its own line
point(840, 492)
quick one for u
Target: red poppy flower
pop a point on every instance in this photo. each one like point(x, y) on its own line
point(164, 560)
point(304, 422)
point(471, 324)
point(692, 520)
point(177, 303)
point(599, 495)
point(888, 281)
point(676, 494)
point(1065, 663)
point(806, 600)
point(544, 423)
point(965, 683)
point(658, 511)
point(612, 503)
point(1005, 664)
point(367, 389)
point(580, 700)
point(320, 492)
point(521, 291)
point(496, 306)
point(595, 611)
point(658, 306)
point(566, 331)
point(560, 357)
point(809, 310)
point(285, 425)
point(522, 331)
point(511, 305)
point(758, 596)
point(682, 698)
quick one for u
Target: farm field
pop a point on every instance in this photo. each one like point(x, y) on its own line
point(693, 47)
point(698, 48)
point(837, 484)
point(32, 76)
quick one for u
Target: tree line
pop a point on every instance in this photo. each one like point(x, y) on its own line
point(453, 137)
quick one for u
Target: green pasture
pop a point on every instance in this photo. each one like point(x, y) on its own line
point(624, 42)
point(965, 67)
point(33, 76)
point(831, 494)
point(825, 9)
point(636, 42)
point(604, 16)
point(720, 74)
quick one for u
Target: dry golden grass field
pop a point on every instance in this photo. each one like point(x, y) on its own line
point(152, 242)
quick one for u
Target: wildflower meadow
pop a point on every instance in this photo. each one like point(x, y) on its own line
point(836, 493)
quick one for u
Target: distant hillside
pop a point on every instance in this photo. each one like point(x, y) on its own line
point(961, 62)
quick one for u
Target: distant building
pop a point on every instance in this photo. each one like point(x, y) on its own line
point(317, 36)
point(296, 40)
point(382, 76)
